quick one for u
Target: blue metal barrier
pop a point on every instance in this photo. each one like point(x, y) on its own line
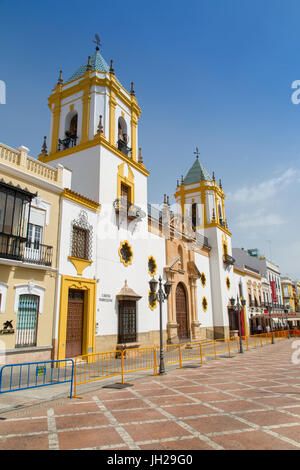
point(15, 377)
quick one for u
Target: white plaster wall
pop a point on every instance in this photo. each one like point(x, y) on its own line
point(70, 211)
point(205, 318)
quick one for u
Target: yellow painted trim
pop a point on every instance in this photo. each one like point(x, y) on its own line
point(128, 181)
point(155, 263)
point(79, 264)
point(108, 81)
point(112, 119)
point(55, 124)
point(98, 140)
point(121, 258)
point(85, 125)
point(90, 286)
point(79, 199)
point(237, 271)
point(134, 123)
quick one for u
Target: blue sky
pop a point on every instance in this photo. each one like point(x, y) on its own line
point(215, 74)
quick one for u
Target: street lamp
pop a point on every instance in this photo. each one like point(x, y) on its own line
point(286, 311)
point(237, 309)
point(269, 306)
point(161, 295)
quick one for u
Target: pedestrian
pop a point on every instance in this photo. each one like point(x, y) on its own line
point(259, 329)
point(268, 329)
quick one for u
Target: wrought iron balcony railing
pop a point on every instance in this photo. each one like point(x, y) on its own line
point(18, 249)
point(123, 147)
point(69, 141)
point(124, 207)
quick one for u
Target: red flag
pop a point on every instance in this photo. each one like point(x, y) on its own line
point(273, 288)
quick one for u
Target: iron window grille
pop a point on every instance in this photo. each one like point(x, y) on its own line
point(127, 322)
point(81, 237)
point(27, 321)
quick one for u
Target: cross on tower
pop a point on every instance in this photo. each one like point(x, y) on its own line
point(97, 41)
point(197, 153)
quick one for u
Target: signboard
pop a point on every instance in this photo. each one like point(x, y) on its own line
point(40, 370)
point(105, 298)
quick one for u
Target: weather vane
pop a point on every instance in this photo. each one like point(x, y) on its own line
point(97, 41)
point(197, 152)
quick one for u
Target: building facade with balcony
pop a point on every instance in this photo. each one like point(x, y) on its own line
point(29, 217)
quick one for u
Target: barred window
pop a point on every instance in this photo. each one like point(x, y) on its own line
point(81, 237)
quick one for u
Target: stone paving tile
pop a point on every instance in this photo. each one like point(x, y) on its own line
point(179, 444)
point(35, 442)
point(84, 420)
point(176, 399)
point(88, 438)
point(218, 423)
point(121, 404)
point(189, 410)
point(211, 396)
point(268, 417)
point(150, 431)
point(21, 426)
point(238, 405)
point(252, 440)
point(143, 414)
point(291, 432)
point(156, 392)
point(254, 393)
point(278, 401)
point(77, 407)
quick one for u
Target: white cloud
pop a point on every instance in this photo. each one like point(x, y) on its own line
point(259, 218)
point(264, 190)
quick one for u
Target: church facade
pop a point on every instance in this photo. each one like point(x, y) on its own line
point(94, 132)
point(111, 242)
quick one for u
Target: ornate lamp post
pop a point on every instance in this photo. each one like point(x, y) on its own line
point(161, 295)
point(237, 309)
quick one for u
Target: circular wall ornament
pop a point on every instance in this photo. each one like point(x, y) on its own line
point(125, 253)
point(204, 304)
point(228, 283)
point(203, 279)
point(152, 266)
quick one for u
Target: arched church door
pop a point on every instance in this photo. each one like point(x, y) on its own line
point(181, 312)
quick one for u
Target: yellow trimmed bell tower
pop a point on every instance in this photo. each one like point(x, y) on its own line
point(91, 107)
point(200, 198)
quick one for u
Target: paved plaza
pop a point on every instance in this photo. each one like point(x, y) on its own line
point(251, 401)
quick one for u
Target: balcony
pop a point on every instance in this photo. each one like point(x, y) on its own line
point(228, 260)
point(69, 141)
point(16, 249)
point(125, 210)
point(123, 147)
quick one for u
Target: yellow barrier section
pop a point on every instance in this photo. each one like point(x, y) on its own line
point(172, 354)
point(190, 351)
point(95, 366)
point(139, 359)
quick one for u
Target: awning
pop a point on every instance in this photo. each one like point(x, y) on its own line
point(126, 293)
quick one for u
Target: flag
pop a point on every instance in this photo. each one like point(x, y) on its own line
point(273, 288)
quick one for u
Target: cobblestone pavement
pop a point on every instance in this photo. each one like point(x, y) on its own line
point(251, 401)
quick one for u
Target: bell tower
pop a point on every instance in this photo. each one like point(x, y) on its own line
point(202, 200)
point(89, 111)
